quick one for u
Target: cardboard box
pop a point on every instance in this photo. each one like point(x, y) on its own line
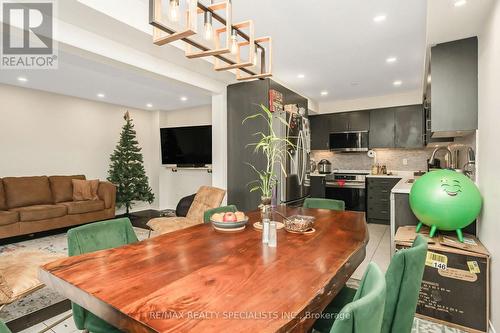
point(455, 286)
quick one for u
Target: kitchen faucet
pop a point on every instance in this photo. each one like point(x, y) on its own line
point(448, 156)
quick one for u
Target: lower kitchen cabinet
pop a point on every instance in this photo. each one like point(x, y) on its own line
point(318, 187)
point(378, 201)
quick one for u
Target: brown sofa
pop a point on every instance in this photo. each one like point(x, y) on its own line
point(33, 204)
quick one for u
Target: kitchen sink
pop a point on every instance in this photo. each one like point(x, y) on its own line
point(410, 181)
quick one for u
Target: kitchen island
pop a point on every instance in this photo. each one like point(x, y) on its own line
point(401, 213)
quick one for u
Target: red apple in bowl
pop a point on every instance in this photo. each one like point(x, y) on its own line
point(230, 217)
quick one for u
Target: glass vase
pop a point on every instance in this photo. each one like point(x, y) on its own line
point(265, 208)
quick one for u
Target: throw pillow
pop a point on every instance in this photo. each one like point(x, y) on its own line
point(85, 189)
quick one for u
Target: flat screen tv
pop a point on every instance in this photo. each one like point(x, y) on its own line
point(187, 146)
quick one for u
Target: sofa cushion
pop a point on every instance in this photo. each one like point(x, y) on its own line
point(81, 207)
point(3, 204)
point(62, 187)
point(40, 212)
point(85, 189)
point(206, 198)
point(27, 191)
point(8, 217)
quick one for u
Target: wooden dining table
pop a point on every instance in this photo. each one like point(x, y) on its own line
point(200, 280)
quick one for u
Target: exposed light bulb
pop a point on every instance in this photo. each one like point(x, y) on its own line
point(209, 30)
point(255, 57)
point(234, 42)
point(173, 10)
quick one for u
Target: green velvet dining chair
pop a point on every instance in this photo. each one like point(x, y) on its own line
point(321, 203)
point(223, 209)
point(4, 328)
point(365, 312)
point(95, 237)
point(403, 278)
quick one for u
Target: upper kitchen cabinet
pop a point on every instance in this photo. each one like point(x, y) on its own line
point(382, 128)
point(359, 121)
point(397, 127)
point(319, 133)
point(349, 121)
point(454, 68)
point(409, 122)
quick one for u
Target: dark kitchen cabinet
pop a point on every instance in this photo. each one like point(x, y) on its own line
point(397, 127)
point(409, 122)
point(382, 128)
point(243, 100)
point(378, 201)
point(337, 122)
point(359, 121)
point(319, 133)
point(454, 68)
point(349, 121)
point(318, 187)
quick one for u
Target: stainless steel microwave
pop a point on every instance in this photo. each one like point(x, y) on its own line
point(349, 141)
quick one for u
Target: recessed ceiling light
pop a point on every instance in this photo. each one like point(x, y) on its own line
point(149, 105)
point(324, 93)
point(397, 83)
point(379, 18)
point(184, 98)
point(460, 3)
point(101, 95)
point(301, 76)
point(22, 79)
point(390, 60)
point(429, 79)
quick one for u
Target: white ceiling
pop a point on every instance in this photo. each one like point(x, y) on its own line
point(335, 44)
point(84, 76)
point(339, 48)
point(447, 22)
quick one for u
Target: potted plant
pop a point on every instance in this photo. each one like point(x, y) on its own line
point(275, 149)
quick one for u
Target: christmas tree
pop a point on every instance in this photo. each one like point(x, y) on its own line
point(127, 169)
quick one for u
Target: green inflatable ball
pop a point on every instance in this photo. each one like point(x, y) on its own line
point(445, 200)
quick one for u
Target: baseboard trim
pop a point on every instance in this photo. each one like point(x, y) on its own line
point(492, 329)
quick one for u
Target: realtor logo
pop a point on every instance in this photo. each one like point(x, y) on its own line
point(27, 36)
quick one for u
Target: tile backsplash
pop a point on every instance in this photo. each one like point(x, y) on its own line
point(392, 158)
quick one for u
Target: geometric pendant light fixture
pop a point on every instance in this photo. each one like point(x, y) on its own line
point(208, 30)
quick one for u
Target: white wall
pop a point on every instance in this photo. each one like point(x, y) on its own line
point(175, 185)
point(47, 134)
point(488, 157)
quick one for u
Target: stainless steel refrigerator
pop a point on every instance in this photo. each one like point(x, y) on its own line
point(295, 184)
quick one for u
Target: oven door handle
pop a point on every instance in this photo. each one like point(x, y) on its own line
point(362, 187)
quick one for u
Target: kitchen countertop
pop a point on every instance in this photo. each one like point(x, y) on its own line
point(403, 186)
point(384, 176)
point(394, 173)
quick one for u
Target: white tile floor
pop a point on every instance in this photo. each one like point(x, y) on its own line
point(378, 249)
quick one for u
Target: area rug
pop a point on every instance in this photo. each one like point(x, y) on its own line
point(43, 297)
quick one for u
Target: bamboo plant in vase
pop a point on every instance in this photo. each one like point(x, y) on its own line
point(275, 150)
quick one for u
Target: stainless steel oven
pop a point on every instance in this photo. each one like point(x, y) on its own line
point(349, 141)
point(348, 187)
